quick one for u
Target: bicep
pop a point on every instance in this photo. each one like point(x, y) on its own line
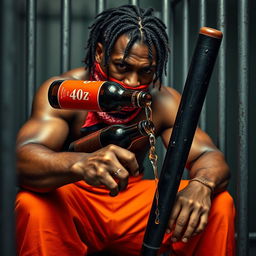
point(201, 144)
point(50, 132)
point(47, 126)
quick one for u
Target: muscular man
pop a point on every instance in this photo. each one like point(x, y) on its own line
point(74, 203)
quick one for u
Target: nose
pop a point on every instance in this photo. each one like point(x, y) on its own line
point(131, 79)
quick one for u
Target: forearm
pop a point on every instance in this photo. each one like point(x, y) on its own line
point(41, 169)
point(212, 166)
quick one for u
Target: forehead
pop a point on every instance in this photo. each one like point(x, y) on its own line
point(138, 50)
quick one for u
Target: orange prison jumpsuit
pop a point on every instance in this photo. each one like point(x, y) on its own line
point(78, 220)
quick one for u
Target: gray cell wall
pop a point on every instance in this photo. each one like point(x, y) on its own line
point(48, 64)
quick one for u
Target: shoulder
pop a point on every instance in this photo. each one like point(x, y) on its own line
point(80, 73)
point(165, 105)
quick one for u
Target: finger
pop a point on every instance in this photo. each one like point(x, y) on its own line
point(174, 216)
point(180, 225)
point(106, 179)
point(191, 227)
point(119, 172)
point(126, 158)
point(91, 178)
point(122, 176)
point(202, 224)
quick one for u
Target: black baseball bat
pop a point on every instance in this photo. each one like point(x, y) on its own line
point(184, 128)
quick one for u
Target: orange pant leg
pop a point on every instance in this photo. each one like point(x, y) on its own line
point(53, 223)
point(75, 220)
point(131, 220)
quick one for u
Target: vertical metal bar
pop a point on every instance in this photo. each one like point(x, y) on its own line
point(202, 23)
point(134, 2)
point(31, 53)
point(166, 4)
point(222, 78)
point(65, 35)
point(166, 19)
point(8, 127)
point(202, 13)
point(171, 39)
point(185, 46)
point(242, 178)
point(185, 43)
point(100, 5)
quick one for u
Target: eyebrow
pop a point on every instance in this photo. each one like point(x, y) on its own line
point(126, 63)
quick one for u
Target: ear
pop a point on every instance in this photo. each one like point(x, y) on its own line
point(99, 53)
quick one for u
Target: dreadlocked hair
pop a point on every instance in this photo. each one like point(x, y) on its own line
point(139, 25)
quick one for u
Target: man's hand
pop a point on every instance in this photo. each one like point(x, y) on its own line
point(190, 212)
point(109, 166)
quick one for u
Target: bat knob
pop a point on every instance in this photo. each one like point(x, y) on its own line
point(211, 32)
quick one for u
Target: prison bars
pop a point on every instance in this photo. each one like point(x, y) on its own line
point(243, 75)
point(65, 35)
point(100, 5)
point(202, 23)
point(242, 176)
point(221, 134)
point(8, 128)
point(242, 150)
point(31, 53)
point(8, 134)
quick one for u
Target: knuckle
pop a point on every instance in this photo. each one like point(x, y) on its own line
point(79, 170)
point(100, 173)
point(190, 202)
point(205, 209)
point(193, 224)
point(199, 207)
point(75, 167)
point(180, 222)
point(111, 147)
point(131, 156)
point(182, 199)
point(107, 159)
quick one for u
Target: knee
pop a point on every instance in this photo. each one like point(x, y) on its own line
point(33, 204)
point(223, 206)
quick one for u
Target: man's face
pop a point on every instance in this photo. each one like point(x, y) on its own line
point(136, 69)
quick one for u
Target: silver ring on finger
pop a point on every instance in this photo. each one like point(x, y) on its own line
point(117, 172)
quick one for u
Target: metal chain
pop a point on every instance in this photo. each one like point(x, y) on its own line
point(153, 159)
